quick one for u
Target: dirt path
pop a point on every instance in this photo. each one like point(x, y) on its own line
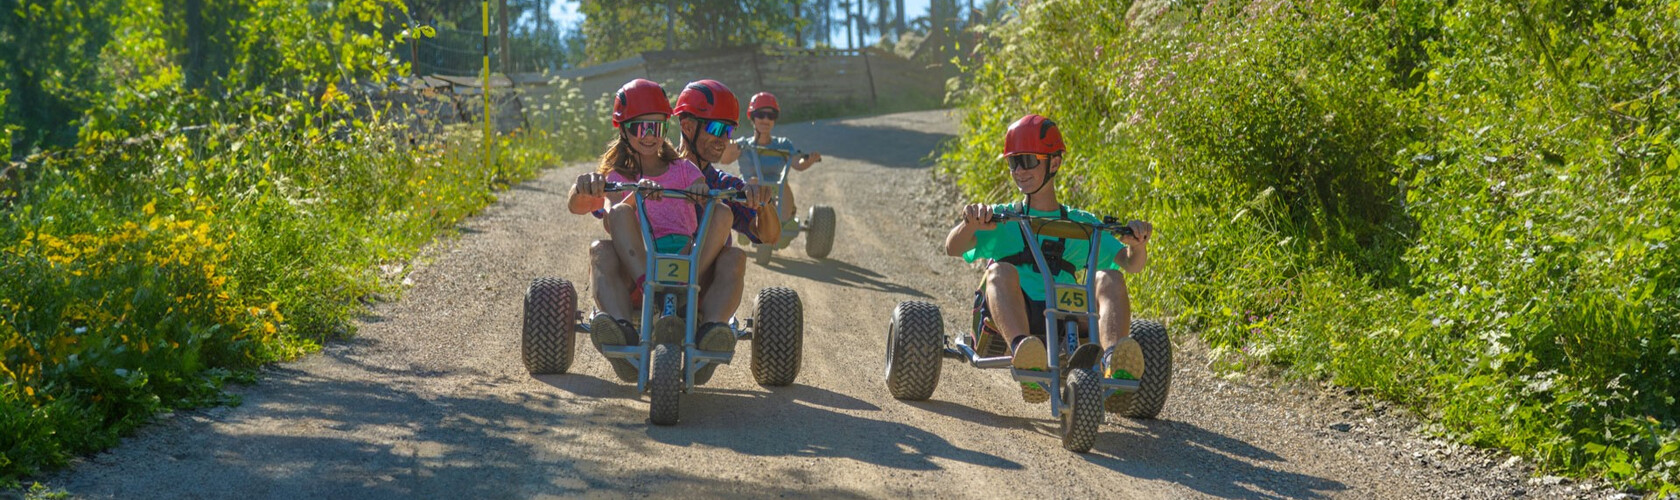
point(431, 400)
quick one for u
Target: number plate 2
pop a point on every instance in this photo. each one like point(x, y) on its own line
point(671, 271)
point(1071, 299)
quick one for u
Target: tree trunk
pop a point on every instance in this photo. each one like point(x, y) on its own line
point(502, 34)
point(899, 23)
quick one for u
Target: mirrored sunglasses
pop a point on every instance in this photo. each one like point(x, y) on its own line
point(719, 129)
point(644, 128)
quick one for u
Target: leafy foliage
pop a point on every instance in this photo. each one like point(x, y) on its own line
point(1466, 207)
point(199, 228)
point(619, 29)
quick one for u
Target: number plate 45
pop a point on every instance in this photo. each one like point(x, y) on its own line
point(1071, 299)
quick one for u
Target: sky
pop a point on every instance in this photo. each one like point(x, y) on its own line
point(565, 11)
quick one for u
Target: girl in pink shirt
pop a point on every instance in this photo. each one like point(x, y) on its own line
point(640, 154)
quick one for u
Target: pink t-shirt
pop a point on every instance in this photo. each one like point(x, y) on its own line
point(672, 214)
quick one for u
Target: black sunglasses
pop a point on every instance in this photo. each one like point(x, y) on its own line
point(1027, 161)
point(765, 114)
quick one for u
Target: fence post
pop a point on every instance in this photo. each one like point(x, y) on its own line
point(489, 143)
point(867, 71)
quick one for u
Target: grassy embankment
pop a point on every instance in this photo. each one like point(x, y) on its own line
point(1468, 207)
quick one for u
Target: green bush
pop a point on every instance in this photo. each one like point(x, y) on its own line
point(194, 233)
point(1464, 207)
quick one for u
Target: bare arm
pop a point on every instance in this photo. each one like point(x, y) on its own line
point(976, 217)
point(588, 194)
point(1136, 254)
point(812, 159)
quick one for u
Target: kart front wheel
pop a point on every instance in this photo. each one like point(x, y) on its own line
point(665, 383)
point(915, 345)
point(778, 340)
point(820, 239)
point(1082, 395)
point(547, 341)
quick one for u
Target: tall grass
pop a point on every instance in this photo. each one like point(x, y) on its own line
point(1464, 207)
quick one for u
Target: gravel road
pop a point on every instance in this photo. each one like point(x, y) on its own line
point(431, 400)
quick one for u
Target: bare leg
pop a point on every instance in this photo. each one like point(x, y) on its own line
point(723, 295)
point(626, 233)
point(1114, 306)
point(1004, 299)
point(715, 237)
point(612, 289)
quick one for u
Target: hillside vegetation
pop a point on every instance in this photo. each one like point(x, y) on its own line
point(217, 188)
point(1466, 207)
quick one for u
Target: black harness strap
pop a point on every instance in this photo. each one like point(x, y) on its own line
point(1053, 250)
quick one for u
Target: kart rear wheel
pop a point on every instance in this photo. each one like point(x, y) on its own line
point(778, 340)
point(1156, 382)
point(915, 345)
point(819, 241)
point(665, 383)
point(547, 342)
point(1082, 393)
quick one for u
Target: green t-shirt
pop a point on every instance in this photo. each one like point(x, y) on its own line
point(1006, 240)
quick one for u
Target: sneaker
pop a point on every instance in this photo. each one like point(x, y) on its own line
point(1123, 361)
point(1031, 356)
point(604, 330)
point(669, 330)
point(717, 337)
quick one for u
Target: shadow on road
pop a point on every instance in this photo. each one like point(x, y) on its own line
point(1203, 460)
point(359, 439)
point(840, 273)
point(778, 423)
point(1177, 452)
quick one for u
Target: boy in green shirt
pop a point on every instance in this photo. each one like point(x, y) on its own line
point(1012, 297)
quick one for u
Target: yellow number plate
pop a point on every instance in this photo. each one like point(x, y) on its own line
point(671, 271)
point(1070, 299)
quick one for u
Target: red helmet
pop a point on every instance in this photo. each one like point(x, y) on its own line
point(763, 100)
point(709, 100)
point(1032, 134)
point(639, 97)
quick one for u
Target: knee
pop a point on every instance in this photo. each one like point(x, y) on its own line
point(620, 216)
point(600, 250)
point(722, 217)
point(1111, 284)
point(601, 253)
point(999, 273)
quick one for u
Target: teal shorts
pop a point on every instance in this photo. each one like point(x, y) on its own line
point(671, 243)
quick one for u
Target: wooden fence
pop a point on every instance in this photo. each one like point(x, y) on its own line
point(805, 81)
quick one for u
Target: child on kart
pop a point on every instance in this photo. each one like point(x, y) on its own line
point(1011, 300)
point(764, 110)
point(639, 154)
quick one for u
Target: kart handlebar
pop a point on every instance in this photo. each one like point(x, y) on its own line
point(1056, 227)
point(714, 194)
